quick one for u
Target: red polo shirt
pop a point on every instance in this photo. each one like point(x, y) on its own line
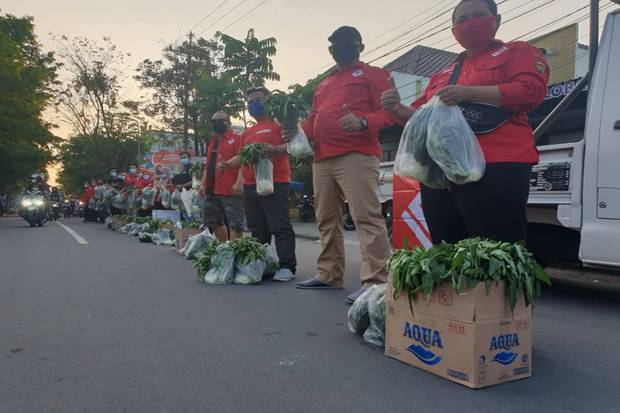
point(228, 147)
point(131, 180)
point(360, 88)
point(267, 131)
point(521, 73)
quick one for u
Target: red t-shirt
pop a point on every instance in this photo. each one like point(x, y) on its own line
point(267, 131)
point(131, 180)
point(228, 147)
point(89, 193)
point(360, 88)
point(521, 72)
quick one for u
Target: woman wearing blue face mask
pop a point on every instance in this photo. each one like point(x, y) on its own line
point(184, 178)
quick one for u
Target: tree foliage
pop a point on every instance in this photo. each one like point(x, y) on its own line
point(26, 76)
point(175, 81)
point(85, 157)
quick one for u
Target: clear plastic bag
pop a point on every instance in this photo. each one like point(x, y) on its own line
point(148, 198)
point(163, 237)
point(271, 260)
point(176, 200)
point(299, 146)
point(196, 243)
point(118, 201)
point(129, 228)
point(165, 198)
point(251, 273)
point(375, 333)
point(453, 145)
point(367, 315)
point(263, 170)
point(412, 159)
point(222, 269)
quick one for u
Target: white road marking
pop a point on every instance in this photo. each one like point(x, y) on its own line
point(74, 234)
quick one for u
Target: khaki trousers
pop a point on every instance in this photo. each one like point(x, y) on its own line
point(354, 177)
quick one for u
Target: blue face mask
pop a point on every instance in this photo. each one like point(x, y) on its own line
point(132, 170)
point(184, 161)
point(113, 174)
point(256, 108)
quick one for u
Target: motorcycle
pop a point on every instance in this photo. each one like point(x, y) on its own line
point(33, 210)
point(67, 208)
point(55, 213)
point(305, 206)
point(80, 209)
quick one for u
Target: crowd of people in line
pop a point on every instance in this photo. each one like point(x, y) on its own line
point(350, 107)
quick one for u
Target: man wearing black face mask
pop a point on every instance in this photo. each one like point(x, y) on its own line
point(222, 183)
point(344, 124)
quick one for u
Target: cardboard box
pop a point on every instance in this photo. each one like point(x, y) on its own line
point(118, 223)
point(182, 235)
point(472, 338)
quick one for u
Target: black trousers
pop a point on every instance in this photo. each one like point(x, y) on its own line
point(90, 215)
point(494, 207)
point(267, 216)
point(115, 211)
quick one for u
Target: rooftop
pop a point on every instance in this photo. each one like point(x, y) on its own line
point(421, 61)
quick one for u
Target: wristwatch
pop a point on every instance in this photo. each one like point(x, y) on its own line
point(364, 123)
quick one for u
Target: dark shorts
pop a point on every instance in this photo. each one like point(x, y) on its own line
point(224, 209)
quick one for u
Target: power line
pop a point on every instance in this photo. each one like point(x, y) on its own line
point(279, 12)
point(244, 16)
point(222, 17)
point(202, 20)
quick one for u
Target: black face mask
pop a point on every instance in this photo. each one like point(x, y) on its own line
point(345, 52)
point(220, 127)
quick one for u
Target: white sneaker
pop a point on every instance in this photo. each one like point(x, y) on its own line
point(283, 275)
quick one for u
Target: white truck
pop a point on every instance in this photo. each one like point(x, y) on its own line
point(574, 204)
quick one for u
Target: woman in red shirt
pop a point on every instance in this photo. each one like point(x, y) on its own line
point(268, 216)
point(512, 76)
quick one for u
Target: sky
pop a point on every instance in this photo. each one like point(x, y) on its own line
point(301, 27)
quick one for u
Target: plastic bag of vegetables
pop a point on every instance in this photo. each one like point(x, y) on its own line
point(203, 264)
point(196, 243)
point(271, 261)
point(148, 197)
point(145, 227)
point(222, 269)
point(375, 333)
point(163, 237)
point(129, 228)
point(264, 177)
point(118, 201)
point(176, 200)
point(287, 110)
point(412, 159)
point(252, 156)
point(453, 145)
point(165, 198)
point(299, 146)
point(249, 260)
point(358, 317)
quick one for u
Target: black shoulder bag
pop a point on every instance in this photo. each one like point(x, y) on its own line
point(482, 117)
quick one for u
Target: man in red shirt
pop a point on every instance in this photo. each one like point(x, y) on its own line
point(221, 183)
point(344, 124)
point(132, 177)
point(267, 215)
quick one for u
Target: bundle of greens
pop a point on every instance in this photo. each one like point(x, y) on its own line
point(287, 110)
point(466, 264)
point(176, 201)
point(197, 170)
point(203, 264)
point(249, 260)
point(222, 270)
point(191, 224)
point(165, 198)
point(252, 153)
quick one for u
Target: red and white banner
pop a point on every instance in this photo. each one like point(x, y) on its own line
point(409, 223)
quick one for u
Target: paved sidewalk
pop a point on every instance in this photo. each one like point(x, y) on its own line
point(310, 231)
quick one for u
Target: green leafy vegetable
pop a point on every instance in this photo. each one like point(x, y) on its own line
point(247, 250)
point(252, 153)
point(464, 265)
point(285, 108)
point(203, 264)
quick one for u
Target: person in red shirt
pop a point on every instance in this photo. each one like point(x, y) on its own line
point(88, 198)
point(512, 76)
point(131, 179)
point(344, 125)
point(222, 184)
point(267, 215)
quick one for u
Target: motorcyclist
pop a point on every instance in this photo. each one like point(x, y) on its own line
point(56, 195)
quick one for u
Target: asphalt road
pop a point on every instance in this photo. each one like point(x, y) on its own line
point(119, 326)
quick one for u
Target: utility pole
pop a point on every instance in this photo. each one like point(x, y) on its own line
point(188, 83)
point(594, 18)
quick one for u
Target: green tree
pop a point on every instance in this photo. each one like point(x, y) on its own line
point(85, 157)
point(173, 81)
point(26, 76)
point(248, 61)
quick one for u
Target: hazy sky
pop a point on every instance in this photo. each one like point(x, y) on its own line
point(301, 27)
